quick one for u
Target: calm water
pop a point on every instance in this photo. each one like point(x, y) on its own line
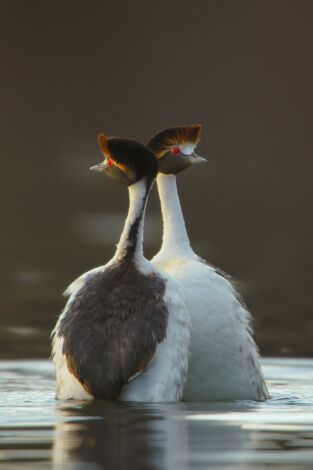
point(38, 432)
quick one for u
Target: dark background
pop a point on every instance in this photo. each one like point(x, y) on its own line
point(70, 69)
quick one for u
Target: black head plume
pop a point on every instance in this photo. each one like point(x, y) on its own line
point(126, 160)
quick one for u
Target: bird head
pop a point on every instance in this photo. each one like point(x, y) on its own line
point(175, 148)
point(126, 161)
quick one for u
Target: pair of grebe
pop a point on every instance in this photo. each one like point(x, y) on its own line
point(162, 330)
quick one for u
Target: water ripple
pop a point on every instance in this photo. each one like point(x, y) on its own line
point(36, 431)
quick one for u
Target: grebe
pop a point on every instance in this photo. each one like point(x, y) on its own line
point(224, 362)
point(125, 332)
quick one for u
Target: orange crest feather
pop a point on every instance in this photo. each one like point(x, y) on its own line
point(103, 142)
point(162, 142)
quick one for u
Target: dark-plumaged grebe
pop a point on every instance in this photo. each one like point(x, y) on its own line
point(124, 333)
point(224, 362)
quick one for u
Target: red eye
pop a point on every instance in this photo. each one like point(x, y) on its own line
point(110, 162)
point(175, 150)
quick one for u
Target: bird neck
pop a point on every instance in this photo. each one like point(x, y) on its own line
point(175, 237)
point(130, 246)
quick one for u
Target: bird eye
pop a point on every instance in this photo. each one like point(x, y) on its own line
point(110, 162)
point(175, 150)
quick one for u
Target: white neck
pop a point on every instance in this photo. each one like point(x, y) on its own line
point(175, 238)
point(130, 244)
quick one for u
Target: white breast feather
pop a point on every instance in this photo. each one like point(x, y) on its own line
point(224, 362)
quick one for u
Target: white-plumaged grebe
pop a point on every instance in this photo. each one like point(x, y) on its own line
point(224, 362)
point(124, 333)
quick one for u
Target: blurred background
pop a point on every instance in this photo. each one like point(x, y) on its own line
point(241, 68)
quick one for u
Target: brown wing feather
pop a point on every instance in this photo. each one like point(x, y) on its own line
point(112, 328)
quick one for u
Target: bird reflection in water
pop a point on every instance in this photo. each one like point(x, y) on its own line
point(115, 435)
point(133, 436)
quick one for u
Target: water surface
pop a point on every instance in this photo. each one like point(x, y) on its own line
point(36, 431)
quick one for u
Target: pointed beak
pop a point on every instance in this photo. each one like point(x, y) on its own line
point(194, 158)
point(100, 167)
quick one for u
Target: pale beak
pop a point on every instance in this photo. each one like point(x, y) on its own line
point(100, 167)
point(194, 158)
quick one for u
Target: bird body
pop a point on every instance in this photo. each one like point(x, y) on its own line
point(124, 333)
point(224, 361)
